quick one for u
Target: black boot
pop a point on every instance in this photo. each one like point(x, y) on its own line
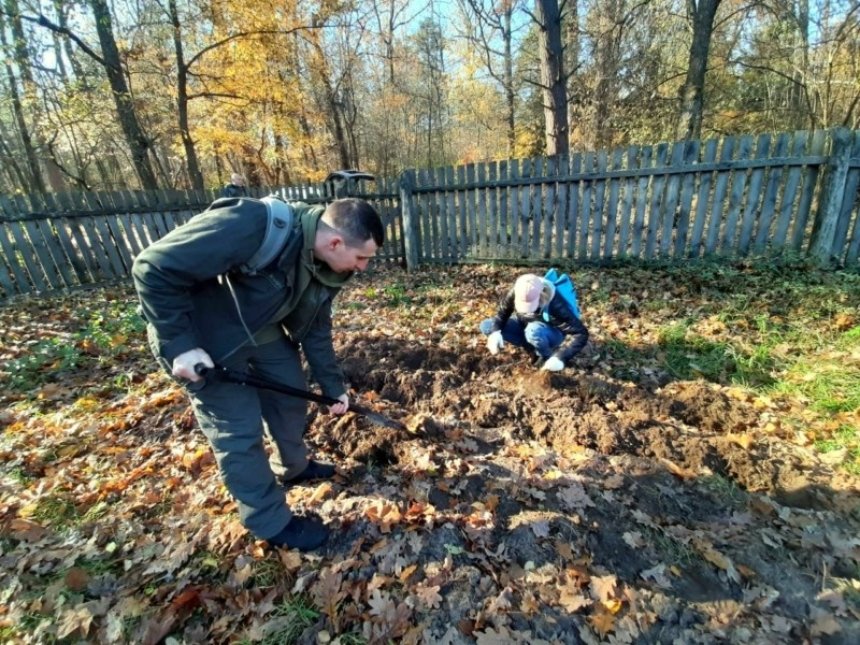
point(302, 533)
point(314, 470)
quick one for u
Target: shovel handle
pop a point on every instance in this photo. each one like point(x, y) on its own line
point(243, 378)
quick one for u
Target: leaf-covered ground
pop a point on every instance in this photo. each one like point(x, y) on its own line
point(691, 479)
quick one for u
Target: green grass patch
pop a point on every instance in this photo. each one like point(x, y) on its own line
point(724, 490)
point(292, 617)
point(56, 511)
point(106, 334)
point(687, 355)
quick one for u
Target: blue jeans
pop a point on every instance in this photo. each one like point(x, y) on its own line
point(539, 336)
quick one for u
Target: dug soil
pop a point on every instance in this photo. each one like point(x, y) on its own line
point(706, 529)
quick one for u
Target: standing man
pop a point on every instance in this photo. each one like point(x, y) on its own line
point(236, 187)
point(202, 305)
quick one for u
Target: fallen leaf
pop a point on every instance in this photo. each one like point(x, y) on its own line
point(76, 579)
point(603, 587)
point(603, 622)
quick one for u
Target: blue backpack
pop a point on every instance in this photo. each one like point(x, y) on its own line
point(564, 287)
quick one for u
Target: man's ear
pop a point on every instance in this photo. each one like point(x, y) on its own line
point(335, 242)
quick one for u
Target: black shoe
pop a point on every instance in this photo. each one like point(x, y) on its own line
point(314, 470)
point(302, 533)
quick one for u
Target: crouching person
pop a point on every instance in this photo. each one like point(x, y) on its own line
point(534, 316)
point(208, 297)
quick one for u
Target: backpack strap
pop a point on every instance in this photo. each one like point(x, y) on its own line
point(279, 225)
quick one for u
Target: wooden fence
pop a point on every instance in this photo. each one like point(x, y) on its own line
point(736, 196)
point(67, 240)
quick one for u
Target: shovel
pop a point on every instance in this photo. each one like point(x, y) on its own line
point(232, 376)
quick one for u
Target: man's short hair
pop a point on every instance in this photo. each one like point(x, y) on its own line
point(356, 220)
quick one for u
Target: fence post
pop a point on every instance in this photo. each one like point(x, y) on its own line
point(832, 194)
point(411, 227)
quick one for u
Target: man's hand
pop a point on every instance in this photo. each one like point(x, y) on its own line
point(553, 364)
point(183, 365)
point(495, 342)
point(342, 407)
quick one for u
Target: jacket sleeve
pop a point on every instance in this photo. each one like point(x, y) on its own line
point(167, 271)
point(318, 347)
point(506, 308)
point(576, 334)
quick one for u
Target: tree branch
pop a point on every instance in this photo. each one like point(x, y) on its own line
point(43, 21)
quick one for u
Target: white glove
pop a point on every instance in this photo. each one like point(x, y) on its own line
point(553, 364)
point(183, 365)
point(495, 342)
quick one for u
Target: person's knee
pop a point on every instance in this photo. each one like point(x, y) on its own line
point(486, 326)
point(535, 334)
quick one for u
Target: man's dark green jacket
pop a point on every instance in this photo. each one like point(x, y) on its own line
point(193, 293)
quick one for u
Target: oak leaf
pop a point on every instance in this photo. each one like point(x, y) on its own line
point(603, 587)
point(603, 622)
point(428, 595)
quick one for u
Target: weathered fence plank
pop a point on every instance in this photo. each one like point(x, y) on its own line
point(682, 217)
point(703, 197)
point(626, 214)
point(641, 202)
point(524, 219)
point(657, 187)
point(451, 206)
point(809, 190)
point(560, 208)
point(851, 206)
point(549, 208)
point(13, 258)
point(23, 245)
point(752, 206)
point(736, 197)
point(670, 199)
point(502, 242)
point(789, 192)
point(573, 208)
point(612, 205)
point(481, 212)
point(720, 186)
point(599, 192)
point(516, 214)
point(832, 198)
point(584, 221)
point(768, 207)
point(536, 211)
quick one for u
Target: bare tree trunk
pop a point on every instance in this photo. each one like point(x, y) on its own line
point(552, 76)
point(22, 60)
point(17, 177)
point(138, 143)
point(194, 173)
point(510, 95)
point(701, 13)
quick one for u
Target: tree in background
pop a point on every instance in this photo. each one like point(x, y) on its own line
point(179, 93)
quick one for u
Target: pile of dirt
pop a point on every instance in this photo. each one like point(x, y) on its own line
point(712, 527)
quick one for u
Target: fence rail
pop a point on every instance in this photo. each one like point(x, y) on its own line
point(792, 192)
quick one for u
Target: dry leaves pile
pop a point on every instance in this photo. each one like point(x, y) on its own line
point(487, 522)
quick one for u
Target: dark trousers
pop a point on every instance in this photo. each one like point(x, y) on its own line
point(236, 418)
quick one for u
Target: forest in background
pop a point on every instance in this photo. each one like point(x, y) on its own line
point(98, 95)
